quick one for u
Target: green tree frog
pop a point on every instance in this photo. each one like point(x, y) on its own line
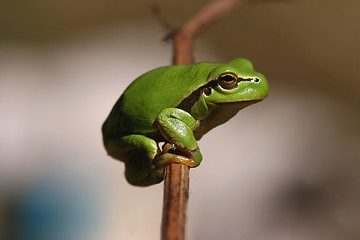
point(176, 105)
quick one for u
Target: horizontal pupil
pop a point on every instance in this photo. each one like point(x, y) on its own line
point(228, 78)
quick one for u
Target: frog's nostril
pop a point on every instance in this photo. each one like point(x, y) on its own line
point(254, 79)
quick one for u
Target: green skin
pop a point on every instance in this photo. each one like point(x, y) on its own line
point(176, 105)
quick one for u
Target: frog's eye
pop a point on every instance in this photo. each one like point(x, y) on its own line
point(227, 80)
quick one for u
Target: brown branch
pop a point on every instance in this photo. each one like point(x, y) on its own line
point(176, 194)
point(176, 185)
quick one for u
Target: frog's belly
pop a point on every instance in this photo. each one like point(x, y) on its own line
point(221, 114)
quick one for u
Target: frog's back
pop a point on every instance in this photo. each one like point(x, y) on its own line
point(148, 95)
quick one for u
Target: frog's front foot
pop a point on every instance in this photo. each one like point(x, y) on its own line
point(171, 154)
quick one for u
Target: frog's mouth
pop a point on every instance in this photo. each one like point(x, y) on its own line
point(242, 103)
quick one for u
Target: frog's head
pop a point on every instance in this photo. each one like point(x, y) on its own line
point(236, 81)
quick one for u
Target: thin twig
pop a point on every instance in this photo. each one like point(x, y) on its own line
point(209, 15)
point(176, 186)
point(169, 28)
point(183, 45)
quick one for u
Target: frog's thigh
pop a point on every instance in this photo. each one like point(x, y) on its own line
point(176, 126)
point(141, 151)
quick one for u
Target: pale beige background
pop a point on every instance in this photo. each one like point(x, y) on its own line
point(287, 168)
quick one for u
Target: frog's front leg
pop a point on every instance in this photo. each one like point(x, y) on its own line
point(138, 153)
point(176, 126)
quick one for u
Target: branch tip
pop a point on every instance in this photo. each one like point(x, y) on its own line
point(170, 29)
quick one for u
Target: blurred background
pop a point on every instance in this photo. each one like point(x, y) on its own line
point(286, 168)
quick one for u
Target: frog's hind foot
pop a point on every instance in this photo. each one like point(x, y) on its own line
point(168, 158)
point(170, 154)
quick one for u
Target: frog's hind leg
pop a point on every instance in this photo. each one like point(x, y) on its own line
point(138, 152)
point(140, 171)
